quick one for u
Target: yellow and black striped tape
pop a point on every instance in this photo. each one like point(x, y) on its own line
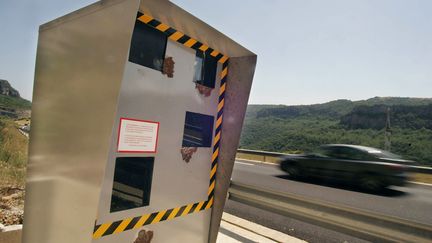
point(137, 222)
point(119, 226)
point(181, 38)
point(219, 117)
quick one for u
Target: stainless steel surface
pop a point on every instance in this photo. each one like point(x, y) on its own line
point(79, 67)
point(363, 224)
point(84, 84)
point(240, 74)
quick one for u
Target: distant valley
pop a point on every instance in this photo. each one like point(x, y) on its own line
point(302, 128)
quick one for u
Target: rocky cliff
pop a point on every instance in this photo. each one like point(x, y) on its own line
point(11, 103)
point(7, 89)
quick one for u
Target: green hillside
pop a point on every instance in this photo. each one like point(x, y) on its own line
point(16, 103)
point(302, 128)
point(10, 98)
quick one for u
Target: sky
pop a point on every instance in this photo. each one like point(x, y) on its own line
point(309, 51)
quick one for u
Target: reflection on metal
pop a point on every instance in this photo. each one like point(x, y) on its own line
point(198, 67)
point(148, 47)
point(127, 193)
point(205, 69)
point(198, 130)
point(363, 224)
point(132, 183)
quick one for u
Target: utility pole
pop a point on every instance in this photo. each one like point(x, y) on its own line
point(387, 132)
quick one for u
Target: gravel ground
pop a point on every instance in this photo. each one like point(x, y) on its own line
point(11, 205)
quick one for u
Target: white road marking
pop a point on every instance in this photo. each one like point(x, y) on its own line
point(254, 232)
point(420, 183)
point(243, 163)
point(256, 161)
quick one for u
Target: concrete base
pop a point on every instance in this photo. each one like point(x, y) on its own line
point(233, 230)
point(11, 234)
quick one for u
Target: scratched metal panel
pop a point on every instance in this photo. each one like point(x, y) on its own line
point(147, 94)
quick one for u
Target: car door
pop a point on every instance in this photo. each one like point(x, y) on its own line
point(323, 166)
point(348, 163)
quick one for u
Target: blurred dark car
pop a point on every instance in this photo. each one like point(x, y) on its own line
point(370, 168)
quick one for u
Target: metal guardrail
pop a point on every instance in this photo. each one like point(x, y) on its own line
point(363, 224)
point(260, 152)
point(416, 169)
point(420, 169)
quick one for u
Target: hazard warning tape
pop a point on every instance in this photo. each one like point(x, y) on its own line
point(180, 37)
point(119, 226)
point(146, 219)
point(215, 156)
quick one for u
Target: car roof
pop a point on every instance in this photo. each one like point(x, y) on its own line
point(358, 147)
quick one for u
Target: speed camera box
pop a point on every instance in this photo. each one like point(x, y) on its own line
point(137, 113)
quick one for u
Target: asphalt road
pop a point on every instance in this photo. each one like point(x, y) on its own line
point(413, 202)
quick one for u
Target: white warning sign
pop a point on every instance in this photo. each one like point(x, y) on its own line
point(137, 136)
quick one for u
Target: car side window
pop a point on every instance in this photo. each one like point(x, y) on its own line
point(353, 154)
point(343, 153)
point(329, 152)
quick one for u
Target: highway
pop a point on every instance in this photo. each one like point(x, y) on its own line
point(413, 202)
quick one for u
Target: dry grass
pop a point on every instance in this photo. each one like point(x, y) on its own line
point(23, 122)
point(11, 175)
point(425, 178)
point(13, 159)
point(13, 154)
point(269, 159)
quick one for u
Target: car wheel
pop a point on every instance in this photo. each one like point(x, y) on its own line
point(371, 183)
point(293, 171)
